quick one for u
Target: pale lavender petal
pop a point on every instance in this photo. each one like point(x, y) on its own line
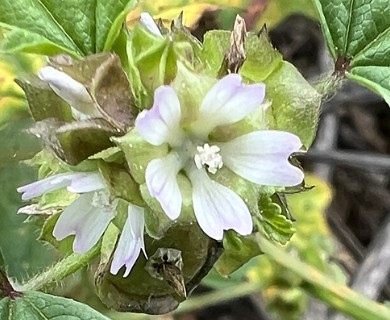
point(86, 182)
point(85, 221)
point(46, 185)
point(77, 182)
point(228, 101)
point(161, 123)
point(148, 22)
point(262, 157)
point(161, 181)
point(218, 208)
point(131, 241)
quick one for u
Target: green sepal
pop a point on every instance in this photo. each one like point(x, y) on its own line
point(153, 59)
point(272, 223)
point(140, 292)
point(237, 250)
point(138, 153)
point(120, 184)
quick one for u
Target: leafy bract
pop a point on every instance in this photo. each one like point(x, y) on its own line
point(34, 305)
point(78, 27)
point(358, 37)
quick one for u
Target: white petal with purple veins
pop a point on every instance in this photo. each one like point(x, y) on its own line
point(161, 181)
point(77, 182)
point(217, 208)
point(85, 221)
point(228, 101)
point(148, 22)
point(262, 157)
point(160, 124)
point(131, 241)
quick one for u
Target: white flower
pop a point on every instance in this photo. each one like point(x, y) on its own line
point(260, 156)
point(148, 22)
point(89, 215)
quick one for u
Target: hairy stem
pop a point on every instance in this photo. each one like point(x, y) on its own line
point(61, 270)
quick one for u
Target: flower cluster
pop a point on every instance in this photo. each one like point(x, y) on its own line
point(260, 157)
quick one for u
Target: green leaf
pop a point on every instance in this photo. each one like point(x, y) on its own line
point(78, 27)
point(358, 36)
point(35, 305)
point(273, 224)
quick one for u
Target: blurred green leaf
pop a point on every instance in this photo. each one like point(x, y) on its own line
point(358, 37)
point(282, 289)
point(277, 10)
point(77, 27)
point(23, 254)
point(13, 105)
point(34, 305)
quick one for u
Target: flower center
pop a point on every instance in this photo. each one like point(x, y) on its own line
point(209, 157)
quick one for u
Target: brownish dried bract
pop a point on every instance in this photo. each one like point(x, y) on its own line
point(110, 89)
point(167, 264)
point(235, 57)
point(104, 78)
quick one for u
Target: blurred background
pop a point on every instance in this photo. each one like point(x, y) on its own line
point(342, 224)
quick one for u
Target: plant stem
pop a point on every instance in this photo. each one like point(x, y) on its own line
point(219, 296)
point(336, 295)
point(60, 270)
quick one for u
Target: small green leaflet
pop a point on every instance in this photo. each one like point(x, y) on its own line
point(33, 305)
point(78, 27)
point(358, 32)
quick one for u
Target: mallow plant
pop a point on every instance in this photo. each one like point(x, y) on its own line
point(161, 153)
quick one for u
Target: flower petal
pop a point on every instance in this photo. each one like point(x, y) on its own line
point(85, 221)
point(131, 241)
point(46, 185)
point(262, 157)
point(161, 181)
point(160, 124)
point(228, 101)
point(148, 22)
point(86, 182)
point(77, 182)
point(217, 208)
point(72, 91)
